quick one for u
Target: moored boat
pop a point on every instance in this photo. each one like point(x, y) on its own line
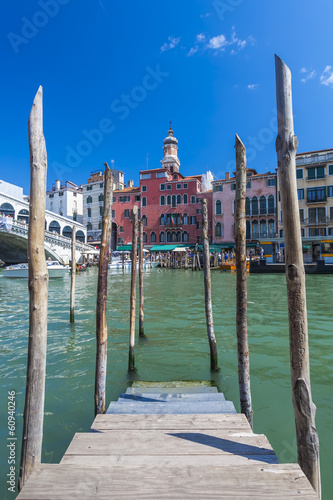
point(55, 270)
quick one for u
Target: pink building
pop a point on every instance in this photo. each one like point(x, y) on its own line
point(261, 203)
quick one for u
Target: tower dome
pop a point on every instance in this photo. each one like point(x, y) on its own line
point(170, 159)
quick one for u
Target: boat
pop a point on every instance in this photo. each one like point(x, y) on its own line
point(55, 270)
point(118, 264)
point(231, 266)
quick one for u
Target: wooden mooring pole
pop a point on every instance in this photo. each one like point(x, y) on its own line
point(102, 283)
point(73, 275)
point(304, 409)
point(241, 302)
point(38, 292)
point(208, 289)
point(131, 361)
point(141, 294)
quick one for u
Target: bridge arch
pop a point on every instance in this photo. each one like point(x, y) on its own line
point(79, 236)
point(7, 209)
point(67, 231)
point(23, 216)
point(54, 227)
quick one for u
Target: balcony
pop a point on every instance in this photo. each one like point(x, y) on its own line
point(315, 221)
point(174, 226)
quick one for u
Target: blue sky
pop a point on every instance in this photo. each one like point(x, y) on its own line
point(115, 72)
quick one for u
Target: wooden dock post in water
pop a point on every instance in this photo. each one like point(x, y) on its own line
point(241, 302)
point(102, 283)
point(131, 362)
point(304, 409)
point(38, 292)
point(73, 275)
point(208, 289)
point(141, 294)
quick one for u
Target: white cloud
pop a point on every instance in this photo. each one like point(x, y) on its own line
point(303, 70)
point(200, 38)
point(171, 44)
point(192, 51)
point(253, 86)
point(205, 15)
point(327, 76)
point(311, 75)
point(217, 42)
point(241, 43)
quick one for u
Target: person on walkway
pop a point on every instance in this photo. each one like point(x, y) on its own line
point(261, 252)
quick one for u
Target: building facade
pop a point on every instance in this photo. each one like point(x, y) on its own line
point(65, 200)
point(260, 208)
point(314, 177)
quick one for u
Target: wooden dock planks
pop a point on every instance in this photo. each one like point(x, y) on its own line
point(169, 456)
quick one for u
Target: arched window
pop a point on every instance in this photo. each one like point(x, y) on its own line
point(263, 209)
point(185, 219)
point(218, 230)
point(169, 237)
point(101, 197)
point(7, 210)
point(23, 216)
point(67, 231)
point(54, 227)
point(271, 229)
point(179, 237)
point(144, 221)
point(255, 232)
point(263, 229)
point(100, 225)
point(174, 237)
point(178, 220)
point(254, 203)
point(185, 237)
point(79, 236)
point(162, 220)
point(89, 226)
point(179, 199)
point(168, 200)
point(174, 199)
point(233, 205)
point(248, 230)
point(218, 207)
point(162, 237)
point(153, 237)
point(271, 204)
point(185, 199)
point(144, 201)
point(247, 206)
point(89, 199)
point(162, 200)
point(144, 237)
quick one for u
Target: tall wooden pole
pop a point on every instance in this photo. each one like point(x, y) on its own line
point(241, 302)
point(304, 409)
point(208, 289)
point(38, 291)
point(101, 326)
point(141, 313)
point(131, 363)
point(73, 275)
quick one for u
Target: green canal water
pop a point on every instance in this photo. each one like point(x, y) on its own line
point(176, 349)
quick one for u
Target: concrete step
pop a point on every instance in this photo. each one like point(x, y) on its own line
point(179, 408)
point(189, 389)
point(179, 397)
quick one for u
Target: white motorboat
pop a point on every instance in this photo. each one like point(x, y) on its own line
point(55, 270)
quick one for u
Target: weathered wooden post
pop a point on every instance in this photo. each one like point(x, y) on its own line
point(208, 289)
point(122, 261)
point(186, 260)
point(141, 294)
point(38, 291)
point(241, 301)
point(304, 409)
point(102, 283)
point(73, 275)
point(131, 363)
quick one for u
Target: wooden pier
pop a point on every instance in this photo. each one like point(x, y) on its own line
point(169, 441)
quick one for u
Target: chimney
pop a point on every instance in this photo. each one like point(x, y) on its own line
point(130, 183)
point(227, 176)
point(57, 183)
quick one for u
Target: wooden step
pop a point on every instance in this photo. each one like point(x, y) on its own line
point(194, 389)
point(171, 407)
point(173, 397)
point(204, 422)
point(256, 481)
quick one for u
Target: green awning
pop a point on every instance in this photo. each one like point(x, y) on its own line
point(124, 248)
point(166, 248)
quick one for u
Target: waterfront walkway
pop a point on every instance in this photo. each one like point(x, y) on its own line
point(169, 441)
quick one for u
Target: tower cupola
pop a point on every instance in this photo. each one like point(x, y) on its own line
point(170, 159)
